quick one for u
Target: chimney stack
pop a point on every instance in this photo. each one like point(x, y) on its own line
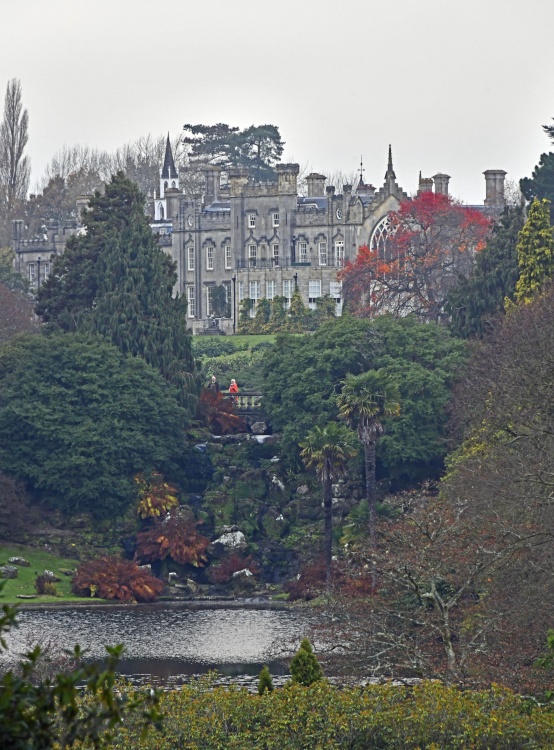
point(441, 183)
point(494, 185)
point(316, 185)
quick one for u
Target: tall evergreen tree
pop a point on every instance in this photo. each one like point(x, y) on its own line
point(477, 298)
point(115, 280)
point(535, 251)
point(541, 183)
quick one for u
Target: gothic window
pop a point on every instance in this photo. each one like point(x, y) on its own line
point(228, 257)
point(322, 253)
point(161, 211)
point(252, 255)
point(210, 258)
point(173, 184)
point(190, 257)
point(275, 257)
point(303, 252)
point(339, 253)
point(380, 236)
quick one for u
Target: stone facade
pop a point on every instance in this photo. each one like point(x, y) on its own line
point(258, 240)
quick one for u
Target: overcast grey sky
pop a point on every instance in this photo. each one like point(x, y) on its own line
point(456, 86)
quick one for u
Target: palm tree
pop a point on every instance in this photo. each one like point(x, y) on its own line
point(327, 450)
point(364, 401)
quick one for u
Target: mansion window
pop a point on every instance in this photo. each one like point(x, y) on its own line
point(275, 255)
point(46, 272)
point(314, 292)
point(228, 256)
point(271, 289)
point(227, 287)
point(190, 258)
point(322, 253)
point(252, 255)
point(339, 253)
point(255, 288)
point(302, 252)
point(191, 307)
point(335, 292)
point(240, 291)
point(32, 273)
point(287, 291)
point(251, 221)
point(275, 220)
point(210, 258)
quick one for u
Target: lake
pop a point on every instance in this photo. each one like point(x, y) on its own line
point(170, 642)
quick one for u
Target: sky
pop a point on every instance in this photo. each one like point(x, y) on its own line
point(455, 86)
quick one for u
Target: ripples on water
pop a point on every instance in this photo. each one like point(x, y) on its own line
point(166, 642)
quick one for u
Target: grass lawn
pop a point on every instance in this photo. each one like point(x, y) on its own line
point(253, 339)
point(24, 583)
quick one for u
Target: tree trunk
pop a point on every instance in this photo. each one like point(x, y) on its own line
point(328, 516)
point(370, 486)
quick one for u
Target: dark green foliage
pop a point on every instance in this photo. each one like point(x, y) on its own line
point(78, 420)
point(474, 301)
point(257, 148)
point(265, 685)
point(215, 346)
point(303, 374)
point(43, 713)
point(116, 281)
point(304, 667)
point(541, 183)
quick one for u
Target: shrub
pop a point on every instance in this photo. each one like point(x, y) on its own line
point(265, 685)
point(45, 585)
point(219, 413)
point(176, 537)
point(157, 497)
point(223, 572)
point(213, 346)
point(304, 667)
point(112, 578)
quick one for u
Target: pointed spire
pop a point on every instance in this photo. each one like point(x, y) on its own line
point(168, 170)
point(390, 171)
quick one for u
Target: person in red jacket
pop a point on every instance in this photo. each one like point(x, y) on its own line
point(233, 390)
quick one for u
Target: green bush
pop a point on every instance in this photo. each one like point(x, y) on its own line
point(216, 346)
point(321, 717)
point(305, 668)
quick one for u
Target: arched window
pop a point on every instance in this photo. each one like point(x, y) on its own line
point(161, 209)
point(173, 184)
point(380, 237)
point(165, 185)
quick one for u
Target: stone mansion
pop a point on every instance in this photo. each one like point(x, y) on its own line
point(258, 239)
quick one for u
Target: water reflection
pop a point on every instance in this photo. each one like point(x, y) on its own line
point(165, 641)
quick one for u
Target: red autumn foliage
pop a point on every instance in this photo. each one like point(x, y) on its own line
point(223, 572)
point(431, 240)
point(112, 578)
point(175, 536)
point(219, 413)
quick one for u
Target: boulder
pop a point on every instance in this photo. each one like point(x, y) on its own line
point(147, 568)
point(277, 482)
point(259, 428)
point(8, 571)
point(232, 540)
point(19, 561)
point(172, 577)
point(302, 490)
point(244, 573)
point(51, 576)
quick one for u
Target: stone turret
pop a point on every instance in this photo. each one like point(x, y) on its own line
point(425, 184)
point(287, 178)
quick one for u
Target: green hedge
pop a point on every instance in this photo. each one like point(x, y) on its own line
point(429, 716)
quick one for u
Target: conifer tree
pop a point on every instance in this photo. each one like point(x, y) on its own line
point(265, 684)
point(115, 280)
point(535, 251)
point(477, 298)
point(304, 667)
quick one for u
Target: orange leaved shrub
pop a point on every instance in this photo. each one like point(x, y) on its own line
point(113, 578)
point(156, 497)
point(176, 537)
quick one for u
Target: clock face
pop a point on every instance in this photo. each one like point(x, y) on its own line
point(339, 213)
point(190, 220)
